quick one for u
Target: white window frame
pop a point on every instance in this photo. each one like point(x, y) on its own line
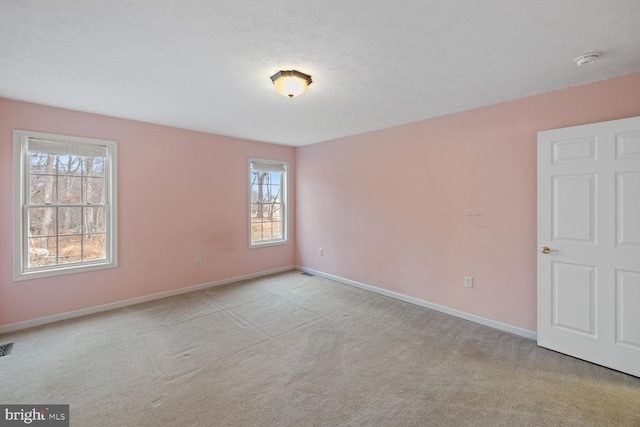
point(20, 199)
point(285, 203)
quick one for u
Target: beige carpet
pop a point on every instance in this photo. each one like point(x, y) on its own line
point(293, 350)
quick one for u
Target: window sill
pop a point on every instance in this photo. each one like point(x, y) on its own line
point(268, 243)
point(59, 271)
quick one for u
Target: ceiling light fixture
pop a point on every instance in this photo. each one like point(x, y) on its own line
point(291, 83)
point(587, 58)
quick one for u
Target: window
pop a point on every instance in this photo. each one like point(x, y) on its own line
point(65, 204)
point(267, 202)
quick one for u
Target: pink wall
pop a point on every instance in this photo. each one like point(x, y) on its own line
point(412, 209)
point(415, 208)
point(182, 194)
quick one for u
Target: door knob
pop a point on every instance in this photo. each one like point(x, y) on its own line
point(545, 249)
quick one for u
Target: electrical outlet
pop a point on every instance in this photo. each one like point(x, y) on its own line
point(198, 260)
point(468, 282)
point(321, 252)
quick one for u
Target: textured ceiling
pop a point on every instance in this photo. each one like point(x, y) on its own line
point(205, 64)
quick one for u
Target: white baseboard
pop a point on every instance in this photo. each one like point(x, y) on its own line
point(461, 314)
point(12, 327)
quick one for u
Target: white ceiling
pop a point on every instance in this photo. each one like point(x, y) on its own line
point(205, 64)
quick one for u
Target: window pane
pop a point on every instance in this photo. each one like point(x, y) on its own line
point(42, 163)
point(42, 251)
point(264, 234)
point(94, 220)
point(256, 232)
point(70, 165)
point(275, 212)
point(93, 190)
point(94, 247)
point(256, 210)
point(275, 230)
point(69, 190)
point(94, 166)
point(42, 222)
point(42, 178)
point(270, 211)
point(271, 193)
point(276, 195)
point(254, 193)
point(266, 231)
point(265, 186)
point(42, 189)
point(70, 220)
point(69, 249)
point(274, 181)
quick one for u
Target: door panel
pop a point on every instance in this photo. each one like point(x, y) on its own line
point(628, 208)
point(627, 311)
point(628, 146)
point(574, 150)
point(574, 208)
point(589, 218)
point(574, 298)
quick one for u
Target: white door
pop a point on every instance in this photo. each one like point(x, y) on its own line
point(589, 242)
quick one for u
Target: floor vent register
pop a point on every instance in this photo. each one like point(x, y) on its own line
point(5, 349)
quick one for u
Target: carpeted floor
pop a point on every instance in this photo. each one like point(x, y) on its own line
point(293, 350)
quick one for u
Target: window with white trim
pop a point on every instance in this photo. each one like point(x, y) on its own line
point(267, 202)
point(65, 194)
